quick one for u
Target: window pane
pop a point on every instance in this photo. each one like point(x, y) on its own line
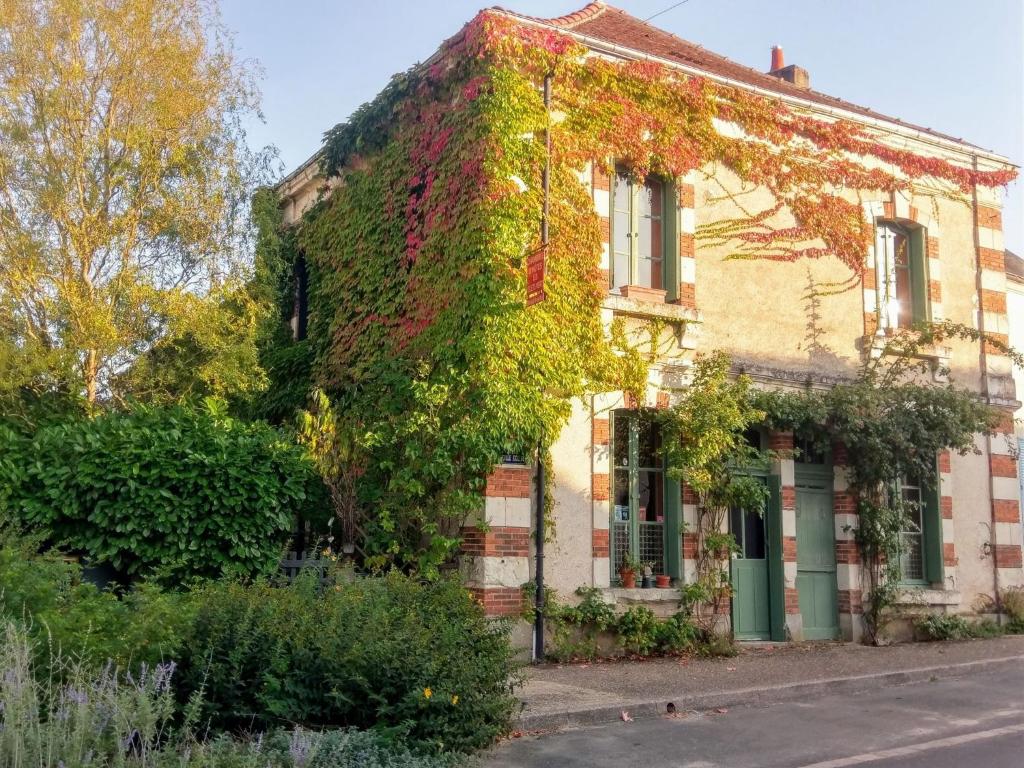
point(620, 233)
point(650, 238)
point(650, 444)
point(652, 546)
point(620, 495)
point(912, 537)
point(753, 535)
point(651, 497)
point(621, 439)
point(904, 293)
point(736, 527)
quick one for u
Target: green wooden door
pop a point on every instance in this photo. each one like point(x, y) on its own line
point(816, 563)
point(751, 614)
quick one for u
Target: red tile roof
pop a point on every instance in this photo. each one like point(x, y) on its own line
point(604, 23)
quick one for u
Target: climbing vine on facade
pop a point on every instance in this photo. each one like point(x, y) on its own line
point(419, 332)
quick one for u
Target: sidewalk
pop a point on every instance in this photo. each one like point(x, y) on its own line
point(558, 696)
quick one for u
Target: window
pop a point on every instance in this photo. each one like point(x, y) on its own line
point(640, 509)
point(300, 303)
point(921, 534)
point(643, 234)
point(901, 271)
point(912, 536)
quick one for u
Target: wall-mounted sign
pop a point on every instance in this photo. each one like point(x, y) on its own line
point(513, 458)
point(535, 267)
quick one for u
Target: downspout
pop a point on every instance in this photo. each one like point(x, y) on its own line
point(993, 536)
point(538, 627)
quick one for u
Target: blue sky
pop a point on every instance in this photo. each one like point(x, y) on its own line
point(951, 65)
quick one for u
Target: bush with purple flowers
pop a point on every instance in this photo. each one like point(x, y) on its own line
point(80, 717)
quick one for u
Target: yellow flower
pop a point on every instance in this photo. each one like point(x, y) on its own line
point(455, 699)
point(427, 693)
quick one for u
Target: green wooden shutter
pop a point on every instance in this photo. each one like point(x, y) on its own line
point(919, 274)
point(673, 528)
point(776, 577)
point(670, 250)
point(931, 522)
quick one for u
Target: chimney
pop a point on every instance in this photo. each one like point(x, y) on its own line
point(798, 76)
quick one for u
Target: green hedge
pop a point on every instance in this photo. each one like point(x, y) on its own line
point(378, 652)
point(176, 492)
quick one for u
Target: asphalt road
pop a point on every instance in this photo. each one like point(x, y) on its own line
point(968, 722)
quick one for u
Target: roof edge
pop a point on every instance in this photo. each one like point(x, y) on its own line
point(904, 129)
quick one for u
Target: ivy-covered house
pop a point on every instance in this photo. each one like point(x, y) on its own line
point(693, 204)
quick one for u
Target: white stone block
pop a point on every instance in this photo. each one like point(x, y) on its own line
point(1005, 488)
point(993, 280)
point(948, 533)
point(687, 269)
point(504, 571)
point(687, 221)
point(1008, 533)
point(789, 522)
point(870, 300)
point(602, 201)
point(848, 576)
point(991, 238)
point(602, 572)
point(605, 262)
point(845, 525)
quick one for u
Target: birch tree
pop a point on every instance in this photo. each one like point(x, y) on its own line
point(123, 182)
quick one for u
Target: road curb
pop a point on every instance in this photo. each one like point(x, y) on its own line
point(688, 701)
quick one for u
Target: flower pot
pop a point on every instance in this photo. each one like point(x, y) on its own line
point(628, 579)
point(647, 582)
point(663, 582)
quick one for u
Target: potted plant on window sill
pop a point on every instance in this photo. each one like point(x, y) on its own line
point(627, 571)
point(663, 581)
point(648, 574)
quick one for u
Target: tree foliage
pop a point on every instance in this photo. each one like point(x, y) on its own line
point(174, 492)
point(123, 210)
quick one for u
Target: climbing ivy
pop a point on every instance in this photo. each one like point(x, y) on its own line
point(892, 421)
point(419, 332)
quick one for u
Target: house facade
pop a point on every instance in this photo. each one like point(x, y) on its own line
point(797, 573)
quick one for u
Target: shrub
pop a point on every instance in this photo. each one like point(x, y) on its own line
point(945, 627)
point(1013, 607)
point(68, 617)
point(178, 492)
point(676, 634)
point(637, 630)
point(106, 718)
point(378, 652)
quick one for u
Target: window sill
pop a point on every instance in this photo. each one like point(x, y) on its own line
point(630, 305)
point(935, 354)
point(911, 595)
point(639, 595)
point(640, 293)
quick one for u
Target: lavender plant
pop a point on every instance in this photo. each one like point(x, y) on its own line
point(76, 717)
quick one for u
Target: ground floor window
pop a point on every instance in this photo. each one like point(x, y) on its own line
point(912, 549)
point(921, 534)
point(644, 503)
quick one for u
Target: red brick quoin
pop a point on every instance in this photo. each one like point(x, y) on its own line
point(496, 542)
point(509, 482)
point(499, 601)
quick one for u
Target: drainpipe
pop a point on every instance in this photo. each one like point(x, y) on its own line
point(538, 627)
point(993, 536)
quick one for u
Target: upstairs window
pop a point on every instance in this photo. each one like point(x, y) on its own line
point(901, 275)
point(643, 234)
